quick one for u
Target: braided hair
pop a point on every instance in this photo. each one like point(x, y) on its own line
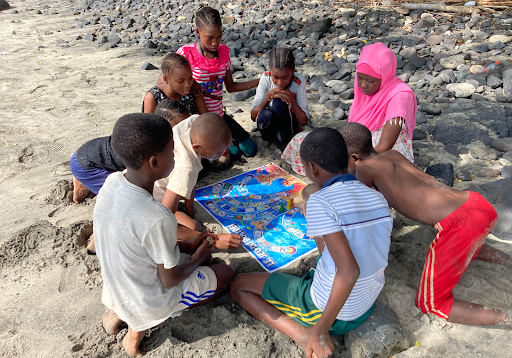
point(173, 60)
point(281, 58)
point(170, 109)
point(208, 17)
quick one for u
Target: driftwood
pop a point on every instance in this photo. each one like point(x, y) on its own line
point(439, 7)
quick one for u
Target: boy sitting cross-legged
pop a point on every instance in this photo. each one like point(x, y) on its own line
point(463, 220)
point(144, 282)
point(355, 224)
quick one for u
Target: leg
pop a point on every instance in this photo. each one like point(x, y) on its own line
point(282, 114)
point(471, 313)
point(490, 254)
point(225, 275)
point(91, 246)
point(80, 192)
point(132, 343)
point(240, 136)
point(86, 182)
point(112, 324)
point(185, 220)
point(246, 291)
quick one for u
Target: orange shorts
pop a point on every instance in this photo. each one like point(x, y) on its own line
point(458, 241)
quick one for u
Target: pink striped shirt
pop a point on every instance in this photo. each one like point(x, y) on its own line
point(209, 73)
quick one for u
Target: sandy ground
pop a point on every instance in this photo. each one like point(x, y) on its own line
point(51, 101)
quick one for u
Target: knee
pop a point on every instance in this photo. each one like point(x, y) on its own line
point(236, 287)
point(225, 275)
point(278, 106)
point(249, 147)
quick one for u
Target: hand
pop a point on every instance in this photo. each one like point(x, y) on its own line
point(271, 94)
point(196, 89)
point(205, 249)
point(228, 241)
point(285, 97)
point(319, 344)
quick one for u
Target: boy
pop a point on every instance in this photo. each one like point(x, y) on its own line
point(205, 136)
point(355, 224)
point(93, 162)
point(463, 221)
point(143, 280)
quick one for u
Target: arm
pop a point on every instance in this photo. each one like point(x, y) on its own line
point(232, 86)
point(200, 103)
point(390, 134)
point(364, 174)
point(171, 200)
point(179, 273)
point(301, 116)
point(149, 103)
point(189, 204)
point(347, 273)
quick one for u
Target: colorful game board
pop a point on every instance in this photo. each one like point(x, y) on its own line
point(263, 207)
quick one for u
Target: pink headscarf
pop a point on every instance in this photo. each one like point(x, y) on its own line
point(373, 111)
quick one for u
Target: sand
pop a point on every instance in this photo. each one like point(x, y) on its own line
point(54, 99)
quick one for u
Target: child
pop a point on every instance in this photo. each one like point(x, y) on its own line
point(280, 107)
point(211, 68)
point(339, 295)
point(93, 162)
point(463, 221)
point(204, 136)
point(176, 83)
point(143, 281)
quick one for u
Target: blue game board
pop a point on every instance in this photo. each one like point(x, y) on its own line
point(263, 207)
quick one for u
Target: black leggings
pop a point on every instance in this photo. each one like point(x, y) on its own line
point(277, 119)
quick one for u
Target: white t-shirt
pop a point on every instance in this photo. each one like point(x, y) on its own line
point(187, 163)
point(364, 217)
point(133, 233)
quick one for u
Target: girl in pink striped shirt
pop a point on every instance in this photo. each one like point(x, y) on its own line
point(211, 68)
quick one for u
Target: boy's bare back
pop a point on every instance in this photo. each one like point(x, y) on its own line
point(410, 191)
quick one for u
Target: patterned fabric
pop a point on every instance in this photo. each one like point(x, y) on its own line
point(291, 153)
point(403, 144)
point(159, 95)
point(209, 73)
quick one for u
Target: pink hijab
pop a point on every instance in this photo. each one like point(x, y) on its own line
point(373, 111)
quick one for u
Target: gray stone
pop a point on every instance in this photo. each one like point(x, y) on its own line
point(379, 336)
point(419, 134)
point(494, 81)
point(461, 89)
point(443, 172)
point(408, 52)
point(332, 104)
point(430, 108)
point(4, 5)
point(501, 38)
point(417, 61)
point(448, 76)
point(480, 48)
point(148, 67)
point(506, 76)
point(244, 95)
point(502, 144)
point(452, 62)
point(348, 94)
point(507, 156)
point(89, 37)
point(319, 26)
point(452, 148)
point(113, 38)
point(506, 172)
point(330, 68)
point(463, 175)
point(338, 113)
point(352, 58)
point(435, 39)
point(420, 117)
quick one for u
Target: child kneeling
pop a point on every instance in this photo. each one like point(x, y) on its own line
point(354, 223)
point(144, 281)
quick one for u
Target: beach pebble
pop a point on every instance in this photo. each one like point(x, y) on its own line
point(502, 144)
point(148, 67)
point(242, 96)
point(461, 89)
point(443, 172)
point(506, 172)
point(463, 175)
point(452, 62)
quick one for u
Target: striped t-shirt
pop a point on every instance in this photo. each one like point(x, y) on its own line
point(364, 217)
point(209, 73)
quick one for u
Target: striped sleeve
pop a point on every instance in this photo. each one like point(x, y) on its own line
point(321, 217)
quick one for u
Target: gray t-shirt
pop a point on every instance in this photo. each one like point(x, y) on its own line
point(297, 86)
point(133, 233)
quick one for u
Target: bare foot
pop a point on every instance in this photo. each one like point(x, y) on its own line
point(80, 192)
point(91, 246)
point(112, 324)
point(132, 343)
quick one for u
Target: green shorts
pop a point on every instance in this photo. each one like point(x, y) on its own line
point(292, 296)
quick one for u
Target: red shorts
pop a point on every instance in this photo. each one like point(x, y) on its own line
point(458, 241)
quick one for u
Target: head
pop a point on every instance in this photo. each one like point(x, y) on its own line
point(210, 135)
point(143, 142)
point(358, 139)
point(376, 66)
point(282, 66)
point(173, 111)
point(177, 73)
point(324, 155)
point(209, 28)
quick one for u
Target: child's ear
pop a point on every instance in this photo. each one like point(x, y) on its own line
point(314, 169)
point(197, 31)
point(196, 147)
point(165, 79)
point(357, 158)
point(153, 162)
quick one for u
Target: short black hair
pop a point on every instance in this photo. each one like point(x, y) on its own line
point(173, 60)
point(138, 136)
point(357, 137)
point(208, 17)
point(211, 126)
point(169, 108)
point(281, 58)
point(326, 148)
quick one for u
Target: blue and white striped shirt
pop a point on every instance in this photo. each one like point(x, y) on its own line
point(364, 217)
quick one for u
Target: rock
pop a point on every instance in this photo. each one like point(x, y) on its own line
point(435, 39)
point(417, 61)
point(332, 104)
point(452, 148)
point(348, 94)
point(347, 12)
point(480, 48)
point(443, 172)
point(506, 172)
point(493, 81)
point(423, 25)
point(89, 37)
point(452, 62)
point(430, 108)
point(508, 156)
point(276, 154)
point(506, 76)
point(502, 144)
point(320, 27)
point(148, 67)
point(4, 5)
point(352, 58)
point(461, 89)
point(113, 38)
point(483, 153)
point(338, 113)
point(379, 336)
point(408, 52)
point(330, 68)
point(486, 172)
point(419, 134)
point(500, 38)
point(420, 117)
point(463, 175)
point(244, 95)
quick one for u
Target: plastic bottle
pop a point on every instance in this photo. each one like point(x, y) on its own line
point(479, 68)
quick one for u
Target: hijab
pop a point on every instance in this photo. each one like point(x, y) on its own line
point(373, 111)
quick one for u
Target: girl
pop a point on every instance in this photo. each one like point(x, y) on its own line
point(382, 102)
point(211, 68)
point(175, 82)
point(280, 107)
